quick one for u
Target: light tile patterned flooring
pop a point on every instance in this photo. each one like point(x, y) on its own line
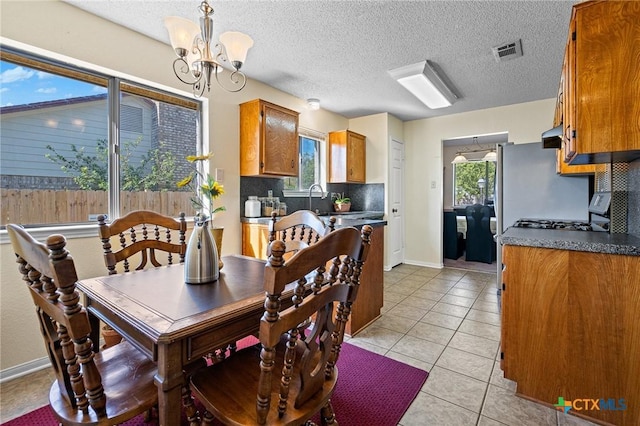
point(445, 321)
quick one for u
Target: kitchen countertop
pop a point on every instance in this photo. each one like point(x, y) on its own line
point(595, 242)
point(341, 221)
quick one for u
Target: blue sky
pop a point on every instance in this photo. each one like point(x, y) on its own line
point(22, 85)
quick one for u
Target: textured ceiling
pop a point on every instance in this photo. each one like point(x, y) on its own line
point(340, 51)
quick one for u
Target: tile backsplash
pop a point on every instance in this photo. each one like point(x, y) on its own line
point(369, 197)
point(633, 202)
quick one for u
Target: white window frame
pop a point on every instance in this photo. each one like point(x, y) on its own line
point(322, 153)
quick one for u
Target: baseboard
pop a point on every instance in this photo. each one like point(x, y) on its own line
point(24, 369)
point(426, 264)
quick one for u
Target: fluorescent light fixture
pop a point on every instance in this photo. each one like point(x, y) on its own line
point(425, 84)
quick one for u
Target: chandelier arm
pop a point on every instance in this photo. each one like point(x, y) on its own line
point(237, 78)
point(181, 67)
point(221, 55)
point(198, 88)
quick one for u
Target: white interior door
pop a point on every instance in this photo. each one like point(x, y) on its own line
point(395, 218)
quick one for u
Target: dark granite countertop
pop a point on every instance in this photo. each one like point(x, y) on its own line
point(341, 221)
point(595, 242)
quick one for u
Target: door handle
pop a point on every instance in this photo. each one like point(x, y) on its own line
point(394, 210)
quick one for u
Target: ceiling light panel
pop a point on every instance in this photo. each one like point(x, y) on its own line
point(425, 84)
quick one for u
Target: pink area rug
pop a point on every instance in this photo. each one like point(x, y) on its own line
point(372, 390)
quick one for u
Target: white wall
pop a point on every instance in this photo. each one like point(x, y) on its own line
point(380, 129)
point(424, 165)
point(375, 128)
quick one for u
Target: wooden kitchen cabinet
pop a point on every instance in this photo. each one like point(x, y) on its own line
point(571, 328)
point(371, 292)
point(369, 302)
point(268, 140)
point(347, 157)
point(564, 115)
point(602, 87)
point(564, 168)
point(255, 239)
point(567, 150)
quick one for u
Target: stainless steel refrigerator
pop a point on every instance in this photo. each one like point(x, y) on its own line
point(527, 186)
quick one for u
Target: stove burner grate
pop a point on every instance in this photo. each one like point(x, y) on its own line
point(568, 225)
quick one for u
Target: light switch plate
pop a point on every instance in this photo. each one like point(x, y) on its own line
point(220, 175)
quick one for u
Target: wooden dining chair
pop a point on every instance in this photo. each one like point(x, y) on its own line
point(104, 388)
point(300, 229)
point(142, 233)
point(145, 234)
point(288, 378)
point(479, 246)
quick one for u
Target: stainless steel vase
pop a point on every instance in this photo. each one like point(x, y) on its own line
point(201, 259)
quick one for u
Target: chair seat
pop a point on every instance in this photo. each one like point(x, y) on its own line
point(127, 378)
point(236, 404)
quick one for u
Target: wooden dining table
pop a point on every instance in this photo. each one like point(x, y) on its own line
point(174, 323)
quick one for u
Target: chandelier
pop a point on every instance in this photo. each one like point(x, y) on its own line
point(197, 64)
point(489, 156)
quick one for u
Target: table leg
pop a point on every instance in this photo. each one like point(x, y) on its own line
point(169, 381)
point(94, 321)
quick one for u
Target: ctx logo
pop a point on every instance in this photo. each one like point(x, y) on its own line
point(589, 404)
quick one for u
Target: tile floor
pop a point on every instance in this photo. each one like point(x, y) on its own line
point(445, 321)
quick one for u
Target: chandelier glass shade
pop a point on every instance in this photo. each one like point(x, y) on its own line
point(490, 156)
point(198, 61)
point(459, 159)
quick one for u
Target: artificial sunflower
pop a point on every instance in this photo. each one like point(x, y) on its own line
point(205, 191)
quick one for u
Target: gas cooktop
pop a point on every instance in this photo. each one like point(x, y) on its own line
point(568, 225)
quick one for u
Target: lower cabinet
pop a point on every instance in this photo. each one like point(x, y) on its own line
point(255, 238)
point(571, 329)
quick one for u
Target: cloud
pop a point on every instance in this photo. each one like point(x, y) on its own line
point(43, 75)
point(4, 89)
point(16, 74)
point(47, 90)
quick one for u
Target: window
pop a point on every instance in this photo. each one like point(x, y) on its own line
point(61, 164)
point(311, 160)
point(474, 182)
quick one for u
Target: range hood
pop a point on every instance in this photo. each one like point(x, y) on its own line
point(552, 138)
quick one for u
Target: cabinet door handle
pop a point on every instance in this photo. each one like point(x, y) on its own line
point(292, 164)
point(394, 210)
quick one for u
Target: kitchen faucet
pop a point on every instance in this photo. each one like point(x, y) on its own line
point(311, 189)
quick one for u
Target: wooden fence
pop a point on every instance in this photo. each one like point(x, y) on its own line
point(34, 206)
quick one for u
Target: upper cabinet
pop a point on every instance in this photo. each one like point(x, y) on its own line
point(347, 157)
point(268, 140)
point(601, 84)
